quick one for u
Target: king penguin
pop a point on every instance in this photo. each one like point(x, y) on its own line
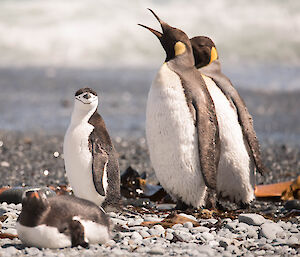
point(61, 221)
point(90, 158)
point(181, 124)
point(240, 152)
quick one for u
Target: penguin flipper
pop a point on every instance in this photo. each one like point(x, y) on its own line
point(100, 160)
point(245, 119)
point(77, 234)
point(208, 136)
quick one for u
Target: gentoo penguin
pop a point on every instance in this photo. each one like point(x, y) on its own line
point(61, 221)
point(181, 124)
point(240, 152)
point(90, 158)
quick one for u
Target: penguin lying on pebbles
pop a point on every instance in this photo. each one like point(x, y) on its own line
point(240, 152)
point(61, 221)
point(90, 158)
point(181, 123)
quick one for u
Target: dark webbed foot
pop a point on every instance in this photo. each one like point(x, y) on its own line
point(180, 205)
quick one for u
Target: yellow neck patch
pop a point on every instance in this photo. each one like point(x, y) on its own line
point(179, 48)
point(213, 54)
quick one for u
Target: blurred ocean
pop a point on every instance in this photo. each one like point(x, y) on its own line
point(49, 49)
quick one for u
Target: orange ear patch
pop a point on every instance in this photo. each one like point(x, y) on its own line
point(213, 54)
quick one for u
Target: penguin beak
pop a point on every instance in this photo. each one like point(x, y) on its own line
point(155, 32)
point(162, 24)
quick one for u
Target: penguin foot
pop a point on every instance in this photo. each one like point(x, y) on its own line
point(181, 206)
point(210, 200)
point(243, 205)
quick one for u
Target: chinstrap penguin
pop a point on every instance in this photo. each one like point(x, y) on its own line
point(181, 124)
point(61, 221)
point(90, 158)
point(240, 152)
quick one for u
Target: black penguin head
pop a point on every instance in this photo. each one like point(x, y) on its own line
point(34, 202)
point(204, 51)
point(174, 41)
point(86, 98)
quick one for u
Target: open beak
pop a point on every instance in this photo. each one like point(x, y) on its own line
point(162, 24)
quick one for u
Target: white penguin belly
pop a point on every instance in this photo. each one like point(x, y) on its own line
point(172, 139)
point(78, 163)
point(235, 177)
point(94, 233)
point(42, 236)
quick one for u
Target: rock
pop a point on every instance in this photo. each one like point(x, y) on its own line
point(11, 251)
point(251, 219)
point(136, 236)
point(199, 229)
point(188, 225)
point(32, 250)
point(169, 236)
point(165, 206)
point(292, 205)
point(205, 249)
point(269, 230)
point(110, 243)
point(207, 236)
point(292, 240)
point(177, 226)
point(188, 216)
point(156, 250)
point(154, 232)
point(184, 235)
point(231, 225)
point(224, 242)
point(144, 233)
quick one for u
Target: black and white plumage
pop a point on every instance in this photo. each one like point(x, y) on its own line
point(90, 158)
point(61, 221)
point(240, 152)
point(181, 124)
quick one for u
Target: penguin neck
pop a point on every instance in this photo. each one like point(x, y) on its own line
point(181, 63)
point(32, 216)
point(80, 115)
point(212, 68)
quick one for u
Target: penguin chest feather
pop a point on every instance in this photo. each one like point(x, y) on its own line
point(172, 139)
point(235, 171)
point(78, 162)
point(42, 236)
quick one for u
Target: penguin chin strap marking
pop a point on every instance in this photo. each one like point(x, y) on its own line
point(84, 102)
point(179, 48)
point(213, 54)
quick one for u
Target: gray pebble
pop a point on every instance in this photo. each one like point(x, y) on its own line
point(169, 236)
point(199, 229)
point(251, 219)
point(11, 250)
point(154, 232)
point(205, 249)
point(184, 235)
point(32, 250)
point(176, 226)
point(144, 233)
point(156, 250)
point(292, 240)
point(136, 236)
point(269, 230)
point(188, 225)
point(231, 225)
point(154, 219)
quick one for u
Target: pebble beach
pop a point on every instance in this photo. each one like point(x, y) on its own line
point(267, 228)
